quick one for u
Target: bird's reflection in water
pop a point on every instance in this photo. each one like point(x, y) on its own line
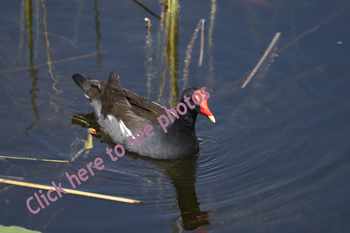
point(182, 174)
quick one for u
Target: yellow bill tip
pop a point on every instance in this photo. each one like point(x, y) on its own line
point(212, 118)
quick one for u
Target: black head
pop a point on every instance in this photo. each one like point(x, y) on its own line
point(197, 97)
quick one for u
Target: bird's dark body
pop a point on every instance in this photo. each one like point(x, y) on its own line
point(120, 113)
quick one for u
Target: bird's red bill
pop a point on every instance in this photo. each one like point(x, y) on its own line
point(204, 106)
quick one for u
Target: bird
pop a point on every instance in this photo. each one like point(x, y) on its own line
point(142, 126)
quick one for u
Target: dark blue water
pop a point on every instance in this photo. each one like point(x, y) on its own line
point(276, 160)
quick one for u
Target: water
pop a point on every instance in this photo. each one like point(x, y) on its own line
point(277, 160)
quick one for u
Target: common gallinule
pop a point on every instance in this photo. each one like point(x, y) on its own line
point(124, 116)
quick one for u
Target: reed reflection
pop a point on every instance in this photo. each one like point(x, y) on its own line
point(97, 29)
point(172, 45)
point(33, 72)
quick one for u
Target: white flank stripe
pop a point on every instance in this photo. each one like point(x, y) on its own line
point(161, 106)
point(158, 104)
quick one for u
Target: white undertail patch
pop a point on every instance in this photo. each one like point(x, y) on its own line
point(123, 129)
point(96, 105)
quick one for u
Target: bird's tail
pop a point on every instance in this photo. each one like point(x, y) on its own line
point(91, 88)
